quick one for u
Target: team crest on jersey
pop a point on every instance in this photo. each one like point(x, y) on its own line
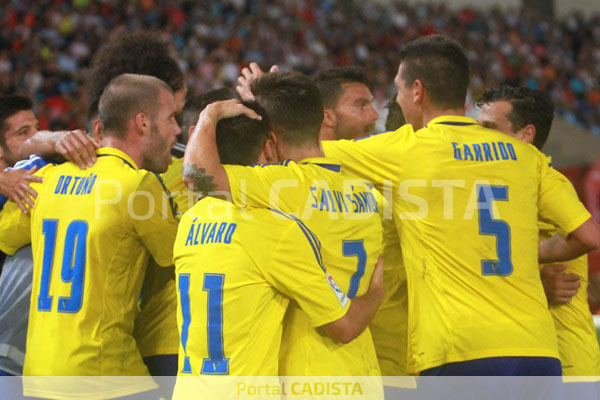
point(343, 299)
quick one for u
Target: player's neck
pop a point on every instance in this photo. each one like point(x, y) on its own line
point(428, 115)
point(299, 153)
point(134, 152)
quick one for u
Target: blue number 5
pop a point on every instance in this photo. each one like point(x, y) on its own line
point(488, 225)
point(356, 248)
point(73, 265)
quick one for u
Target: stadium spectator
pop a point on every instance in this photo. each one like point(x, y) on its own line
point(45, 47)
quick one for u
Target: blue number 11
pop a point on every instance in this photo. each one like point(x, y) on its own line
point(216, 363)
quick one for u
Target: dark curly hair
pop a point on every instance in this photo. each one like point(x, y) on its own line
point(141, 52)
point(529, 106)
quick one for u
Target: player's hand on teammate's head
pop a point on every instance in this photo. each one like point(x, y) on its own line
point(78, 147)
point(376, 288)
point(14, 184)
point(560, 287)
point(231, 108)
point(249, 74)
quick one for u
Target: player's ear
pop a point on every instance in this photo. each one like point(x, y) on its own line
point(97, 130)
point(418, 91)
point(527, 134)
point(329, 118)
point(270, 149)
point(142, 123)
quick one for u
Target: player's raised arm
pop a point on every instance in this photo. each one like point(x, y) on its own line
point(202, 169)
point(582, 240)
point(74, 146)
point(361, 311)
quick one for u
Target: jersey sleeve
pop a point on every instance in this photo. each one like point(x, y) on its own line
point(558, 202)
point(154, 219)
point(253, 186)
point(296, 269)
point(374, 158)
point(15, 228)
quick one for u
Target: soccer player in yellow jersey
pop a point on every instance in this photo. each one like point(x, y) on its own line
point(349, 114)
point(466, 202)
point(92, 233)
point(238, 269)
point(344, 215)
point(527, 115)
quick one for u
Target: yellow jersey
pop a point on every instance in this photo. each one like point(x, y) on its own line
point(343, 213)
point(389, 326)
point(92, 233)
point(155, 327)
point(466, 203)
point(237, 270)
point(577, 341)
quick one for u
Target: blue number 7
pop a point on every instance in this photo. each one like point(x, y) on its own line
point(486, 194)
point(356, 248)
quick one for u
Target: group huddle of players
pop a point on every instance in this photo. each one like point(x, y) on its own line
point(301, 245)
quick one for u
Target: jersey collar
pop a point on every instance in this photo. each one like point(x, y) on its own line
point(453, 120)
point(325, 162)
point(111, 151)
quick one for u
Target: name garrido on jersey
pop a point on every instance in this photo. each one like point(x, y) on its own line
point(491, 151)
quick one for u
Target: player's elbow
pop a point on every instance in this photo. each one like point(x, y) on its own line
point(342, 330)
point(588, 236)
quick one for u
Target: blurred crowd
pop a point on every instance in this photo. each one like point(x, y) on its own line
point(46, 46)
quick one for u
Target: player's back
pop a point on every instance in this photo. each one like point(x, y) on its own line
point(343, 213)
point(236, 271)
point(471, 251)
point(92, 231)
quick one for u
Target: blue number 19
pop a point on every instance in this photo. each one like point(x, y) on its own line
point(486, 194)
point(73, 265)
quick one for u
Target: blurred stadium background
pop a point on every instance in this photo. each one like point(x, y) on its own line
point(46, 47)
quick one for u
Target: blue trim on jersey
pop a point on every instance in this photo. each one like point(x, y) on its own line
point(32, 162)
point(119, 157)
point(456, 123)
point(331, 167)
point(312, 238)
point(173, 205)
point(370, 135)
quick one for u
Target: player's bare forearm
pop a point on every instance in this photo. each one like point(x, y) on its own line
point(202, 169)
point(74, 146)
point(582, 240)
point(361, 311)
point(42, 144)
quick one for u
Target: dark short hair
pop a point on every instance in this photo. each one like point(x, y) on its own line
point(441, 65)
point(330, 82)
point(141, 52)
point(124, 97)
point(194, 106)
point(294, 105)
point(529, 106)
point(240, 139)
point(9, 106)
point(395, 117)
